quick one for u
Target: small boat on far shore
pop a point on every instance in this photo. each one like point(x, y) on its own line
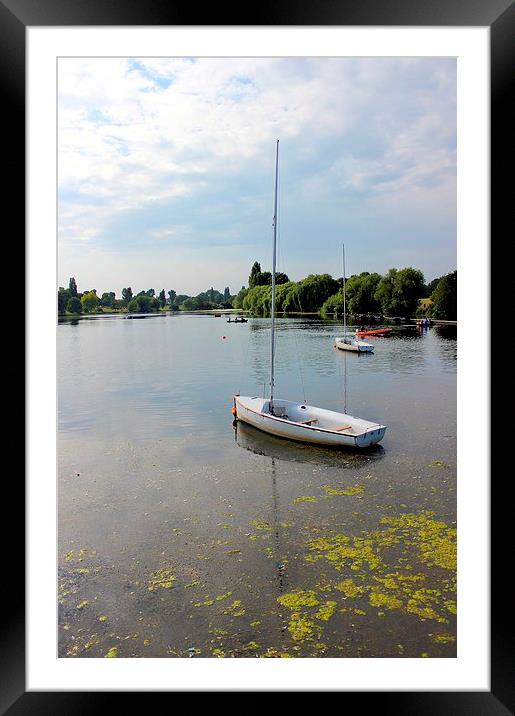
point(238, 320)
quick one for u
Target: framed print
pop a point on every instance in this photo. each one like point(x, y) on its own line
point(193, 550)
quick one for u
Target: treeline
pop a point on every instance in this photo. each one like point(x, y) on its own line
point(400, 292)
point(70, 300)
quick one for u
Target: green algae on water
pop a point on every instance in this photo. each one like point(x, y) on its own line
point(300, 627)
point(295, 600)
point(326, 611)
point(163, 578)
point(349, 588)
point(443, 638)
point(379, 599)
point(112, 653)
point(304, 498)
point(261, 525)
point(350, 490)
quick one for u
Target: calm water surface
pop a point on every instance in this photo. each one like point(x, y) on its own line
point(181, 535)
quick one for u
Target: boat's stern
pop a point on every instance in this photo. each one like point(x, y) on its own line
point(371, 436)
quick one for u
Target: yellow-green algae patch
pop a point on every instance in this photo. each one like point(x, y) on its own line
point(236, 609)
point(300, 627)
point(326, 611)
point(349, 588)
point(251, 646)
point(379, 599)
point(343, 551)
point(390, 565)
point(438, 463)
point(207, 603)
point(350, 490)
point(218, 653)
point(273, 653)
point(112, 653)
point(435, 540)
point(443, 638)
point(305, 498)
point(163, 578)
point(296, 600)
point(424, 602)
point(261, 525)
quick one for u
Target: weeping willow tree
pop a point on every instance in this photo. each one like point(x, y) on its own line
point(334, 305)
point(258, 300)
point(309, 295)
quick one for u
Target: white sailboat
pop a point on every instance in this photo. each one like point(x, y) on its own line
point(298, 421)
point(345, 343)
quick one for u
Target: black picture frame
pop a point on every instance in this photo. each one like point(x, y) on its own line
point(499, 16)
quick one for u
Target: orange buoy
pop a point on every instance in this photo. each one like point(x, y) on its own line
point(233, 410)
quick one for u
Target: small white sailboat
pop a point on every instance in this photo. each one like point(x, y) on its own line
point(298, 421)
point(345, 343)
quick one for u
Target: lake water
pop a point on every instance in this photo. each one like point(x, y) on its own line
point(182, 535)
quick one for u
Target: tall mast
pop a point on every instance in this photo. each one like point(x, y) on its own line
point(272, 341)
point(343, 282)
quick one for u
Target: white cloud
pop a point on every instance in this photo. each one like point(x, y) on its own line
point(149, 144)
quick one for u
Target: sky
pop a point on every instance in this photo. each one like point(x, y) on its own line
point(166, 169)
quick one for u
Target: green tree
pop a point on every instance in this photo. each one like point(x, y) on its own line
point(399, 291)
point(444, 299)
point(63, 296)
point(258, 300)
point(360, 293)
point(72, 287)
point(140, 304)
point(108, 299)
point(255, 274)
point(171, 297)
point(126, 295)
point(162, 298)
point(431, 287)
point(74, 305)
point(90, 301)
point(237, 301)
point(309, 294)
point(334, 305)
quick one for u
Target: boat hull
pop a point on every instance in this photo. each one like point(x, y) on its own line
point(321, 431)
point(375, 332)
point(352, 345)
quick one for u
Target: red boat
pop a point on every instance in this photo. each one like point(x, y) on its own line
point(375, 332)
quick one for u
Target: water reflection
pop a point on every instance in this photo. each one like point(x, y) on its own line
point(261, 443)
